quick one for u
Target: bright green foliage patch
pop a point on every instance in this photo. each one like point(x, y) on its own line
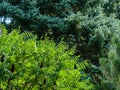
point(39, 65)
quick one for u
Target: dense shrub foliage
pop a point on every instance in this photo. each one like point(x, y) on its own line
point(91, 35)
point(93, 26)
point(112, 7)
point(110, 66)
point(29, 64)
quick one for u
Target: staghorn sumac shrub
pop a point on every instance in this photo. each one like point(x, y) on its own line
point(26, 63)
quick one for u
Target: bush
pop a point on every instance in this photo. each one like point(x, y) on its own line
point(110, 66)
point(91, 35)
point(30, 64)
point(112, 7)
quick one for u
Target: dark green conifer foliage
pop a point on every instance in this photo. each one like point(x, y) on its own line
point(112, 7)
point(91, 35)
point(110, 66)
point(44, 15)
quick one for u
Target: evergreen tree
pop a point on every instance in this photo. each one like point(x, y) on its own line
point(44, 15)
point(112, 7)
point(110, 66)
